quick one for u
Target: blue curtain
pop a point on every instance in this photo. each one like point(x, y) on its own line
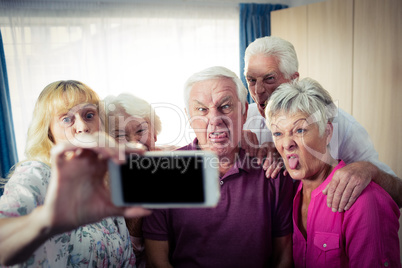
point(255, 22)
point(8, 149)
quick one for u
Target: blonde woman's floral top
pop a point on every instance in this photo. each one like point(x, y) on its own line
point(103, 244)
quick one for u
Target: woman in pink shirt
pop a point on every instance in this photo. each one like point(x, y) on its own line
point(301, 115)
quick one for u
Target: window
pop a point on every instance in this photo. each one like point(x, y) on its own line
point(143, 49)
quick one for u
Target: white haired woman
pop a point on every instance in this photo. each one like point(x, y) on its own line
point(132, 119)
point(299, 115)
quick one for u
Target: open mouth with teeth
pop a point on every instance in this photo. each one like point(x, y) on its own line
point(218, 136)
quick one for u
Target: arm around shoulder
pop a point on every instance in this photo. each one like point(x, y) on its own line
point(357, 150)
point(391, 184)
point(349, 182)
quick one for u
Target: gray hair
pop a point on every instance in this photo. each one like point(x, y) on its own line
point(133, 106)
point(215, 72)
point(274, 46)
point(306, 96)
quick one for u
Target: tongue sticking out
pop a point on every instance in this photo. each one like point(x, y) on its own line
point(293, 161)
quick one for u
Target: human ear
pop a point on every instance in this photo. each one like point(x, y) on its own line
point(295, 76)
point(329, 129)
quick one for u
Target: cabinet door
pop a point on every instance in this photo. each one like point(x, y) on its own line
point(377, 76)
point(291, 25)
point(330, 48)
point(322, 34)
point(354, 49)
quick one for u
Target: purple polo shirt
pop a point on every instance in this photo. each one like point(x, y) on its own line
point(238, 232)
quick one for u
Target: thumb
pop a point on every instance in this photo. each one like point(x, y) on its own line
point(325, 191)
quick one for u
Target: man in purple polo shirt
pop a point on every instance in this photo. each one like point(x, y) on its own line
point(251, 225)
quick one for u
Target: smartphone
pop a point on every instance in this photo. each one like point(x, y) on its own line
point(166, 179)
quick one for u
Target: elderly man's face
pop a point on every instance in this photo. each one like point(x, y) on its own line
point(215, 115)
point(263, 77)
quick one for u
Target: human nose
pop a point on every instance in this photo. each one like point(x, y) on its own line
point(259, 88)
point(215, 118)
point(81, 126)
point(289, 143)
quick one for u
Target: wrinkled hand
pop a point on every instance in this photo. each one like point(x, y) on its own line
point(271, 159)
point(249, 142)
point(347, 184)
point(78, 193)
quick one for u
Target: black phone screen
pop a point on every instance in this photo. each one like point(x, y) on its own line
point(163, 179)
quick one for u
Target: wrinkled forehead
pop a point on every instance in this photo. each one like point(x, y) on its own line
point(213, 90)
point(260, 64)
point(285, 119)
point(122, 120)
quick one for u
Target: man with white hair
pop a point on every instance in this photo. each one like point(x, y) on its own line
point(251, 225)
point(271, 61)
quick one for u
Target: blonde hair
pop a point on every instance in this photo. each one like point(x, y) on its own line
point(59, 96)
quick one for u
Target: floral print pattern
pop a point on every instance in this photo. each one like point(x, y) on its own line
point(102, 244)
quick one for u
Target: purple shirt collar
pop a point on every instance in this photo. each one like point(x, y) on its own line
point(242, 162)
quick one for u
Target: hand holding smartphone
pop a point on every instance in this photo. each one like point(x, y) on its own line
point(162, 179)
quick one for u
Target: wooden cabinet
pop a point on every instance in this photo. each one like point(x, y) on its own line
point(354, 49)
point(377, 76)
point(291, 24)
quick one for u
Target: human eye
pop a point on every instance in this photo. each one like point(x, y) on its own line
point(142, 131)
point(300, 131)
point(276, 134)
point(90, 115)
point(201, 110)
point(270, 79)
point(121, 137)
point(225, 108)
point(67, 120)
point(251, 81)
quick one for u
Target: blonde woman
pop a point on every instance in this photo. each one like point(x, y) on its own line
point(56, 208)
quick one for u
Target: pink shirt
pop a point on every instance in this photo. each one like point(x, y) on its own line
point(364, 236)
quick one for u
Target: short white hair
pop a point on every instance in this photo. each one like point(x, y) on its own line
point(134, 106)
point(215, 72)
point(306, 96)
point(283, 50)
